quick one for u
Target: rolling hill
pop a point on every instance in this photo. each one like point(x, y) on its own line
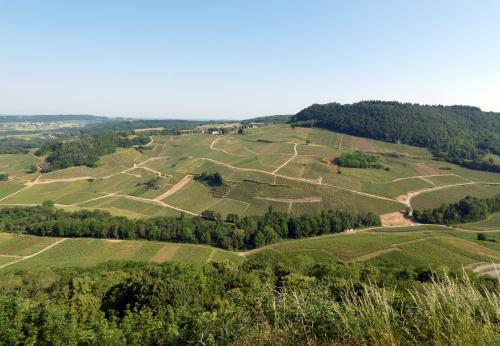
point(459, 134)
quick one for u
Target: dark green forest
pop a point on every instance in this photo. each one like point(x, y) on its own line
point(86, 150)
point(457, 134)
point(234, 233)
point(468, 209)
point(358, 159)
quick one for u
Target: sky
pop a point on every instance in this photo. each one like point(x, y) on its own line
point(235, 59)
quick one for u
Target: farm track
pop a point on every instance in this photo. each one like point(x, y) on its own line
point(23, 258)
point(406, 198)
point(287, 161)
point(222, 150)
point(180, 185)
point(403, 199)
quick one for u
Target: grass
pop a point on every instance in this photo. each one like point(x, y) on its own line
point(397, 188)
point(491, 223)
point(446, 251)
point(445, 312)
point(7, 188)
point(84, 252)
point(415, 246)
point(433, 246)
point(22, 245)
point(434, 199)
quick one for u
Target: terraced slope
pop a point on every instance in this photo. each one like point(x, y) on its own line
point(289, 169)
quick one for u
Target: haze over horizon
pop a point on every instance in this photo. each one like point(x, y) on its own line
point(226, 60)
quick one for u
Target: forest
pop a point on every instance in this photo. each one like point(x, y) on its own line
point(267, 300)
point(14, 145)
point(234, 233)
point(457, 134)
point(86, 150)
point(468, 209)
point(358, 159)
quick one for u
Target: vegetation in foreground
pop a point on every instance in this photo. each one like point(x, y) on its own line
point(235, 233)
point(260, 302)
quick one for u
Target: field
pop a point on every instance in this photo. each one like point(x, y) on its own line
point(492, 223)
point(417, 246)
point(288, 169)
point(88, 252)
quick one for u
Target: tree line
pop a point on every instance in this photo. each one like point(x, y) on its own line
point(457, 134)
point(468, 209)
point(233, 233)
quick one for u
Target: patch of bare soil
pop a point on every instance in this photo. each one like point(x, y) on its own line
point(491, 270)
point(330, 162)
point(186, 180)
point(426, 169)
point(395, 219)
point(292, 200)
point(362, 144)
point(165, 253)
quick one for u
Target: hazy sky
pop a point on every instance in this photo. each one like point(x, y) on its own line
point(234, 59)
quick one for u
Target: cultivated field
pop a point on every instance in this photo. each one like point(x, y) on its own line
point(289, 169)
point(417, 246)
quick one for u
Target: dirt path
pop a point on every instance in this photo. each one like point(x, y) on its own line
point(406, 198)
point(23, 258)
point(392, 248)
point(340, 142)
point(287, 161)
point(222, 150)
point(428, 176)
point(181, 184)
point(312, 199)
point(491, 270)
point(152, 201)
point(304, 180)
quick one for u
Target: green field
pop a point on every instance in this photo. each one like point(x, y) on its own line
point(492, 223)
point(433, 246)
point(269, 166)
point(417, 247)
point(89, 252)
point(434, 199)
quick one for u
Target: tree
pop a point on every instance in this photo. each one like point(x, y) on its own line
point(4, 177)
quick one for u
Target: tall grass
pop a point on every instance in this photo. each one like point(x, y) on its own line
point(445, 312)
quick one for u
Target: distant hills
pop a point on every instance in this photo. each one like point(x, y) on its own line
point(458, 134)
point(49, 118)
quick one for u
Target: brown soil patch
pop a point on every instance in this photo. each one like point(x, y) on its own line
point(426, 169)
point(361, 144)
point(165, 253)
point(186, 180)
point(292, 200)
point(330, 162)
point(395, 219)
point(114, 240)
